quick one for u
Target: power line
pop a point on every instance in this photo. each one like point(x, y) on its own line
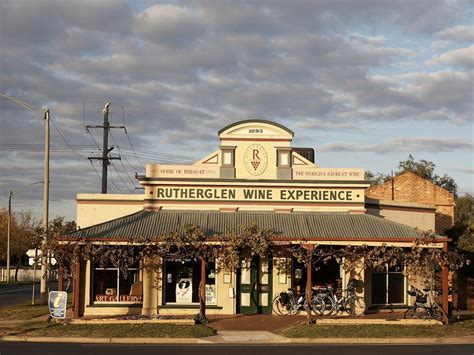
point(90, 134)
point(123, 182)
point(93, 167)
point(56, 100)
point(126, 173)
point(118, 147)
point(65, 141)
point(133, 149)
point(113, 183)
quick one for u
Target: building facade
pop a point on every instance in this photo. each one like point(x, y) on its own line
point(256, 177)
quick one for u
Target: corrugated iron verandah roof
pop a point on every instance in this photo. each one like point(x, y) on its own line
point(290, 226)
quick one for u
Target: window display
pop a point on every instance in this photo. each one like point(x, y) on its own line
point(111, 285)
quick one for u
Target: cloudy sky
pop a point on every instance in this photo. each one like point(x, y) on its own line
point(363, 82)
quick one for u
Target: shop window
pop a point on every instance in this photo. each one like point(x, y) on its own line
point(182, 278)
point(388, 286)
point(112, 285)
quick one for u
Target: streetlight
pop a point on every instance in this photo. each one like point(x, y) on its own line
point(12, 193)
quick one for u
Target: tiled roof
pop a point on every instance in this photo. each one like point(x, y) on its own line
point(296, 225)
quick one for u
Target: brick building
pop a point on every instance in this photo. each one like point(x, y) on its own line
point(415, 199)
point(409, 187)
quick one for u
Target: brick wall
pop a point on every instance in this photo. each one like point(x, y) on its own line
point(463, 290)
point(409, 187)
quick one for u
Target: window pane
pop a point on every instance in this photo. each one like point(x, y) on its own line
point(396, 288)
point(379, 288)
point(105, 285)
point(131, 288)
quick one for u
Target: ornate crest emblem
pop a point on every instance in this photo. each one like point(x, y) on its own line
point(255, 159)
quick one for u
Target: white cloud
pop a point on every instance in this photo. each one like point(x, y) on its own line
point(463, 57)
point(168, 24)
point(457, 34)
point(410, 145)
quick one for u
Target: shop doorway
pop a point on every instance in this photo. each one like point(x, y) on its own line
point(255, 286)
point(181, 282)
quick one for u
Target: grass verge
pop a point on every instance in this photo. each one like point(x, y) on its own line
point(14, 284)
point(23, 312)
point(116, 330)
point(461, 328)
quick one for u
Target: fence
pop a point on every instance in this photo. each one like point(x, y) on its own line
point(24, 275)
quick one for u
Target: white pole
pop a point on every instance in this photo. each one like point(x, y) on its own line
point(8, 233)
point(44, 260)
point(34, 277)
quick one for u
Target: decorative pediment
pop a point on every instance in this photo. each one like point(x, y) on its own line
point(212, 158)
point(256, 130)
point(300, 160)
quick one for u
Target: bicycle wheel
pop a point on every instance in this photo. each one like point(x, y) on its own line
point(437, 314)
point(318, 306)
point(354, 306)
point(329, 306)
point(410, 313)
point(281, 308)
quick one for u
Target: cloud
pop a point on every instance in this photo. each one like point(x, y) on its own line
point(168, 24)
point(182, 71)
point(410, 145)
point(457, 34)
point(463, 57)
point(463, 170)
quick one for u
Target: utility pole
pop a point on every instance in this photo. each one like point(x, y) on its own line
point(10, 194)
point(44, 267)
point(105, 146)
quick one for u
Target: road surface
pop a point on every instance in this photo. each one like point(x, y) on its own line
point(8, 348)
point(13, 294)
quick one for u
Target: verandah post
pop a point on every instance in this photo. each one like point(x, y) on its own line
point(445, 285)
point(60, 277)
point(76, 288)
point(309, 268)
point(202, 292)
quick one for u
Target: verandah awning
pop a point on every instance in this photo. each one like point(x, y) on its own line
point(290, 226)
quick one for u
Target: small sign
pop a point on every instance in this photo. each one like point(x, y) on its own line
point(184, 290)
point(32, 252)
point(32, 260)
point(57, 304)
point(210, 293)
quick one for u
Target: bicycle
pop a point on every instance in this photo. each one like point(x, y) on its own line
point(323, 300)
point(336, 302)
point(423, 307)
point(288, 303)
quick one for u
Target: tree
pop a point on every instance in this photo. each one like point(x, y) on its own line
point(462, 233)
point(376, 179)
point(425, 169)
point(23, 226)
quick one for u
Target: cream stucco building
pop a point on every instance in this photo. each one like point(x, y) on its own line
point(254, 176)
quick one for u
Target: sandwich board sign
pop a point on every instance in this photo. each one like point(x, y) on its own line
point(57, 304)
